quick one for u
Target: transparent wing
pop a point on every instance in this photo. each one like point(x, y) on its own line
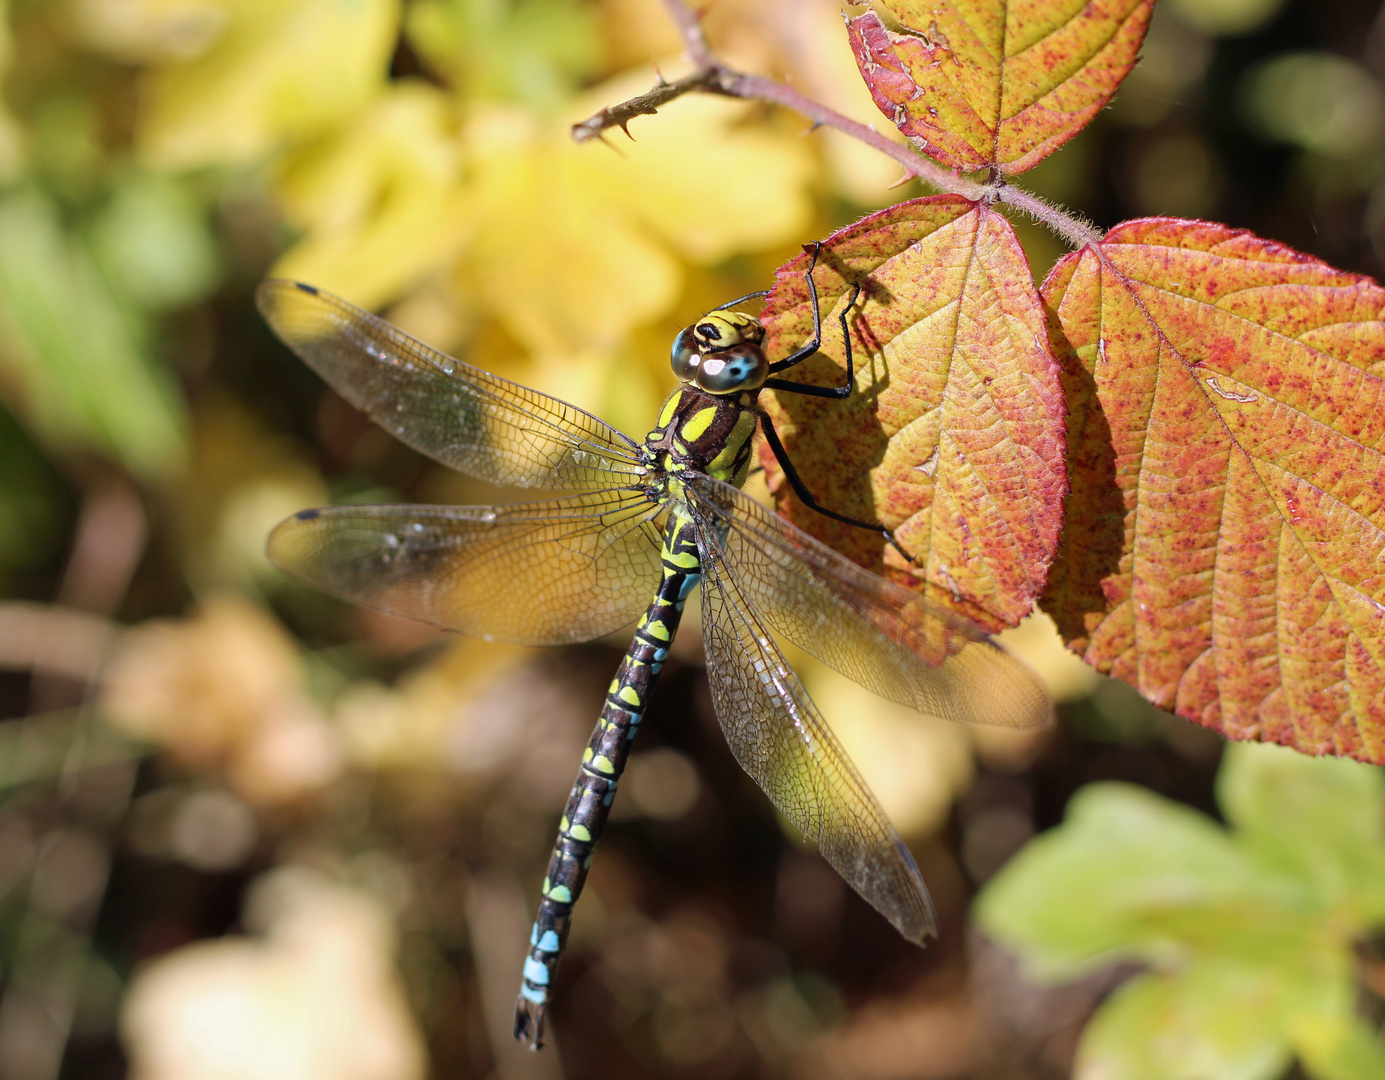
point(457, 414)
point(780, 739)
point(882, 635)
point(540, 573)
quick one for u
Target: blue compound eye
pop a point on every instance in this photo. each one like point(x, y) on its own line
point(727, 371)
point(685, 357)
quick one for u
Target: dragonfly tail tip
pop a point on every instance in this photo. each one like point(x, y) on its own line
point(529, 1023)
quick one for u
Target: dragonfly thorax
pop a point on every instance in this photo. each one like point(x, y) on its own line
point(721, 353)
point(708, 433)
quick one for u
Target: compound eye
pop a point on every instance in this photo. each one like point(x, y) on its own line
point(685, 356)
point(727, 371)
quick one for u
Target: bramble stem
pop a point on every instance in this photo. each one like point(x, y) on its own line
point(1076, 231)
point(714, 77)
point(759, 88)
point(648, 104)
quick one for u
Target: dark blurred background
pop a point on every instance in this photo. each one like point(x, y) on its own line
point(247, 831)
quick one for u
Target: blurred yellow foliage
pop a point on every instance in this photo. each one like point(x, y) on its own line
point(279, 70)
point(380, 203)
point(578, 245)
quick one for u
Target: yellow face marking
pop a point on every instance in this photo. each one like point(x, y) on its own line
point(722, 329)
point(698, 423)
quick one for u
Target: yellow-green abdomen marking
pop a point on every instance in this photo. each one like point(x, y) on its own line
point(602, 763)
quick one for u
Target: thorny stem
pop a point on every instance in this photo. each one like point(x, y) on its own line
point(704, 78)
point(714, 77)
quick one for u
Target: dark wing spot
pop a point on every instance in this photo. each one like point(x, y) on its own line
point(309, 289)
point(307, 515)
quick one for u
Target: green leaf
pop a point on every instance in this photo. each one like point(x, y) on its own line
point(153, 244)
point(1209, 1022)
point(1347, 1050)
point(1318, 819)
point(1128, 874)
point(1249, 931)
point(70, 366)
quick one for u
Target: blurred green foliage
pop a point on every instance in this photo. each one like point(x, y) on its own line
point(1247, 932)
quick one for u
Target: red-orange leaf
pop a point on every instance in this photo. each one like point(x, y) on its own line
point(1224, 536)
point(997, 82)
point(953, 436)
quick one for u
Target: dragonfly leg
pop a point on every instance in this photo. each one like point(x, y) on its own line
point(759, 294)
point(839, 392)
point(814, 343)
point(806, 497)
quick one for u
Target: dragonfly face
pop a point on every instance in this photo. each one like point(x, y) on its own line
point(721, 354)
point(640, 526)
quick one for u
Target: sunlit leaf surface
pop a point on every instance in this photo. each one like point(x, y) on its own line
point(1226, 524)
point(954, 434)
point(997, 82)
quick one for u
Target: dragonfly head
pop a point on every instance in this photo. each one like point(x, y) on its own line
point(721, 353)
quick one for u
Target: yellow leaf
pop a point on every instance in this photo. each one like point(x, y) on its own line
point(281, 71)
point(555, 257)
point(703, 179)
point(381, 204)
point(573, 241)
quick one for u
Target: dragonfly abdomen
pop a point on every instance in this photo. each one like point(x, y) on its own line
point(589, 804)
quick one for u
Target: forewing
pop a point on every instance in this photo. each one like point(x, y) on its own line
point(885, 637)
point(780, 739)
point(457, 414)
point(540, 573)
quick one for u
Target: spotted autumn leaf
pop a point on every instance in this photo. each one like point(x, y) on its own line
point(1224, 535)
point(997, 82)
point(954, 434)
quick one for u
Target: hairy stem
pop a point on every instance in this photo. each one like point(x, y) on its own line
point(712, 76)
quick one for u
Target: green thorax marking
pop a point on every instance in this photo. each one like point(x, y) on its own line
point(710, 433)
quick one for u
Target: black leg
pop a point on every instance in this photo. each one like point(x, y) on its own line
point(838, 392)
point(806, 496)
point(760, 295)
point(815, 342)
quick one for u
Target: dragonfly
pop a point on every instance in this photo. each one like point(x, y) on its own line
point(632, 529)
